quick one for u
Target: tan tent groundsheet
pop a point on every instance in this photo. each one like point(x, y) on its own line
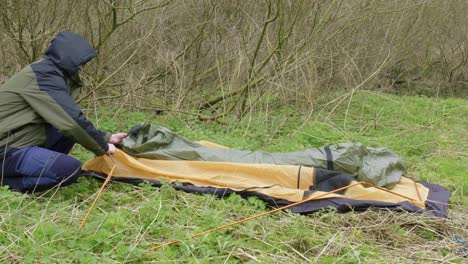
point(289, 182)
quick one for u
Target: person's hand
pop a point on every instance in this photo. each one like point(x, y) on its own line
point(117, 138)
point(111, 150)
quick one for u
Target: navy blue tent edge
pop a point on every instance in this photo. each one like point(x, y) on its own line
point(436, 203)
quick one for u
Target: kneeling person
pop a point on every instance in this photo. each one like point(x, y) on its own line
point(40, 121)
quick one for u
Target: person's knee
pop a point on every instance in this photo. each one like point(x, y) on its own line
point(67, 170)
point(39, 169)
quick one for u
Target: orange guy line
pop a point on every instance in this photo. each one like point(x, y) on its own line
point(98, 193)
point(276, 210)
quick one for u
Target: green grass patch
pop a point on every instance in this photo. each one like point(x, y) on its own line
point(429, 133)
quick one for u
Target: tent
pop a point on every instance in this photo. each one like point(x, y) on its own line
point(368, 177)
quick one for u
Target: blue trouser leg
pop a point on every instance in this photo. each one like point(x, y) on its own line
point(35, 168)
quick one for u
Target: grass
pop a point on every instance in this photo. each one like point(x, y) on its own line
point(429, 133)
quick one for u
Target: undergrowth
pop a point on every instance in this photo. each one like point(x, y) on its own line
point(429, 133)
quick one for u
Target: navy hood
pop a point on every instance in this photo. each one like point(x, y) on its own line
point(68, 51)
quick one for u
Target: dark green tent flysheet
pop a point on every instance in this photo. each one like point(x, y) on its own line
point(154, 153)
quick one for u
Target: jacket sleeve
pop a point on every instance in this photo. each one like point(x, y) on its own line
point(106, 135)
point(59, 109)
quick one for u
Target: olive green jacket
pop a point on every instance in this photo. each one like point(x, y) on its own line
point(40, 96)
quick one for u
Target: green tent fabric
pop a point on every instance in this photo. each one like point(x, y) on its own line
point(379, 166)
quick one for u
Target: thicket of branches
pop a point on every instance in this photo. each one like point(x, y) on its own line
point(215, 57)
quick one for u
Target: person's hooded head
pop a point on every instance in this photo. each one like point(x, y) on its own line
point(68, 51)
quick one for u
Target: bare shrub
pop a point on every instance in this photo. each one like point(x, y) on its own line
point(213, 58)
